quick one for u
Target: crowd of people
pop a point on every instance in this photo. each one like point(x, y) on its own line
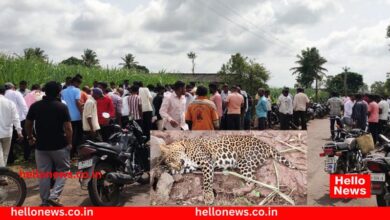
point(57, 118)
point(368, 112)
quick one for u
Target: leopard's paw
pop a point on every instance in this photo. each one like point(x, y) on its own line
point(208, 197)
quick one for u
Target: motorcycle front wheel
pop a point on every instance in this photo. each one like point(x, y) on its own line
point(381, 202)
point(13, 190)
point(101, 192)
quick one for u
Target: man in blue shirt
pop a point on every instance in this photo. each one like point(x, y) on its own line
point(261, 109)
point(71, 95)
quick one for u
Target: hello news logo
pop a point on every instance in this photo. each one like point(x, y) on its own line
point(350, 186)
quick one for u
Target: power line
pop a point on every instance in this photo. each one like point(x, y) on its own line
point(233, 22)
point(254, 25)
point(263, 38)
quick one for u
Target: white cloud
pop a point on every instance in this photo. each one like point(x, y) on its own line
point(161, 32)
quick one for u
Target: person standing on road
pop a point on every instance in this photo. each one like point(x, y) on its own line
point(53, 128)
point(135, 104)
point(21, 106)
point(216, 98)
point(335, 105)
point(202, 113)
point(285, 104)
point(173, 108)
point(348, 106)
point(373, 117)
point(72, 95)
point(105, 105)
point(157, 102)
point(261, 109)
point(269, 108)
point(90, 117)
point(234, 104)
point(224, 94)
point(383, 113)
point(300, 106)
point(9, 117)
point(147, 108)
point(359, 113)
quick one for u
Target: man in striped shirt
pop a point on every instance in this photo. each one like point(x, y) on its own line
point(135, 104)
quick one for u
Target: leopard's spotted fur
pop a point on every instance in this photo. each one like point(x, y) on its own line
point(243, 152)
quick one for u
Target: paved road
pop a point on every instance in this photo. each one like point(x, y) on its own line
point(318, 180)
point(73, 195)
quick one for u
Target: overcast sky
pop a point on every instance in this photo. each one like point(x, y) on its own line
point(160, 32)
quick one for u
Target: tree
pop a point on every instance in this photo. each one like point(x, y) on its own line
point(336, 83)
point(35, 53)
point(90, 58)
point(129, 61)
point(72, 61)
point(379, 88)
point(310, 68)
point(192, 56)
point(247, 73)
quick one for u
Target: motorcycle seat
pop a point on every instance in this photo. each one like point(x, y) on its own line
point(105, 146)
point(342, 146)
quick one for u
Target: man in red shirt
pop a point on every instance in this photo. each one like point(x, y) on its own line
point(105, 104)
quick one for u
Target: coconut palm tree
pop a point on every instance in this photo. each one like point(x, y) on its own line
point(192, 56)
point(90, 58)
point(129, 61)
point(310, 68)
point(36, 53)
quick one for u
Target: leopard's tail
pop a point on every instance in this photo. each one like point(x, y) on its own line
point(281, 159)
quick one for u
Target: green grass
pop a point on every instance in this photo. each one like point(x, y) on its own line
point(36, 72)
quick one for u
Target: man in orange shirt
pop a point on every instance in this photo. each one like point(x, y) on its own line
point(234, 103)
point(202, 113)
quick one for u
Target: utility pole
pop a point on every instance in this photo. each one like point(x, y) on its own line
point(346, 70)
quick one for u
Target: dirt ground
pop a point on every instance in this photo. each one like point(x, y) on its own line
point(318, 188)
point(73, 195)
point(187, 188)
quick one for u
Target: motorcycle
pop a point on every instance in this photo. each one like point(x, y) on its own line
point(112, 165)
point(343, 155)
point(379, 167)
point(13, 190)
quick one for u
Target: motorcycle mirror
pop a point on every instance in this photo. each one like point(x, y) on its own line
point(106, 115)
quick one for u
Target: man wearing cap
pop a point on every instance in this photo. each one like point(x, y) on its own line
point(90, 116)
point(9, 117)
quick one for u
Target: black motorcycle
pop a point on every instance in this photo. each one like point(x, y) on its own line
point(379, 167)
point(13, 190)
point(112, 165)
point(343, 155)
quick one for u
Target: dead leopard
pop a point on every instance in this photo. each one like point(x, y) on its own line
point(225, 152)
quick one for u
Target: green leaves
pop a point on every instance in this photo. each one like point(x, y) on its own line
point(249, 74)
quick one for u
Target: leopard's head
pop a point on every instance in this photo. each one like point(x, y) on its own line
point(173, 156)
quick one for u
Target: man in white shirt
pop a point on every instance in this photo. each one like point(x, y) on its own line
point(147, 109)
point(348, 106)
point(383, 113)
point(300, 103)
point(9, 118)
point(21, 106)
point(173, 108)
point(285, 105)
